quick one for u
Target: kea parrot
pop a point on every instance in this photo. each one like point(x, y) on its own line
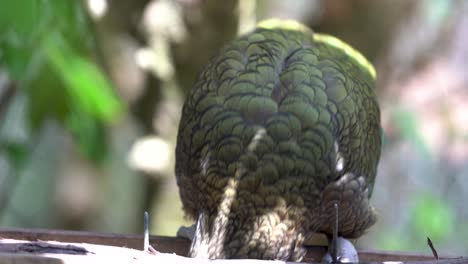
point(282, 126)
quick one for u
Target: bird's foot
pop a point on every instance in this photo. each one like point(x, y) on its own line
point(187, 232)
point(340, 250)
point(345, 252)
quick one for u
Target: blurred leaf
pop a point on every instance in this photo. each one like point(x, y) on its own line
point(408, 125)
point(24, 23)
point(15, 58)
point(90, 134)
point(21, 16)
point(21, 24)
point(46, 47)
point(17, 154)
point(88, 89)
point(432, 217)
point(47, 99)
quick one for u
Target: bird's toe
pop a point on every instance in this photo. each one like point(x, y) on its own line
point(186, 232)
point(346, 253)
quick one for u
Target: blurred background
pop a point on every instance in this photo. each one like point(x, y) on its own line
point(91, 94)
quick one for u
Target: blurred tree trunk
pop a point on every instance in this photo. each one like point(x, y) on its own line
point(153, 93)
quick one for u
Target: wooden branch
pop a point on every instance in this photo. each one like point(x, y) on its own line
point(178, 246)
point(21, 245)
point(14, 251)
point(51, 252)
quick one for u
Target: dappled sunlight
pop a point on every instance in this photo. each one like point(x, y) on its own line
point(152, 154)
point(98, 8)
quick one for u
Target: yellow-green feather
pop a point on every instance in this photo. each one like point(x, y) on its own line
point(320, 37)
point(346, 48)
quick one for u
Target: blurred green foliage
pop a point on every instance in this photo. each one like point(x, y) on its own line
point(429, 216)
point(49, 51)
point(408, 126)
point(432, 217)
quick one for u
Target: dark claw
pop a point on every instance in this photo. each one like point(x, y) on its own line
point(186, 231)
point(340, 250)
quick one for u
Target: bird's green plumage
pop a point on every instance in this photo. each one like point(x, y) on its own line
point(280, 125)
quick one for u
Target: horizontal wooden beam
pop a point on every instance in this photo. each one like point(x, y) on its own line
point(180, 246)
